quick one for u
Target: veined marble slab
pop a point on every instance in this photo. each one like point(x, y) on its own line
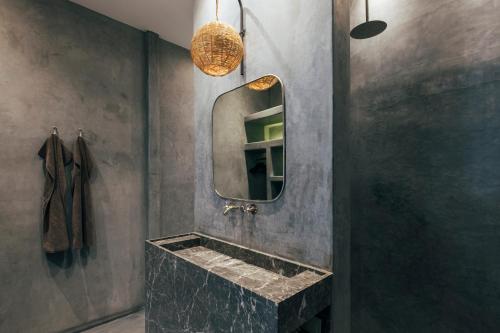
point(196, 283)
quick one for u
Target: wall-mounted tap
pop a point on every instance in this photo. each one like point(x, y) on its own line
point(248, 208)
point(231, 206)
point(251, 209)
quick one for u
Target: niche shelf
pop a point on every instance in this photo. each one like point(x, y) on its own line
point(256, 123)
point(259, 126)
point(265, 114)
point(264, 144)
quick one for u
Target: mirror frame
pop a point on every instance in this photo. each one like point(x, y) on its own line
point(284, 145)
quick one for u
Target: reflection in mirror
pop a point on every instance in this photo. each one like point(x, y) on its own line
point(248, 137)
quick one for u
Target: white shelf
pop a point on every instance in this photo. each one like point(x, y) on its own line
point(264, 113)
point(264, 144)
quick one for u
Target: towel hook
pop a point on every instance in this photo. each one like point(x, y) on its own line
point(80, 133)
point(54, 130)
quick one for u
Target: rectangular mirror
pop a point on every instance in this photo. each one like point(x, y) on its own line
point(248, 141)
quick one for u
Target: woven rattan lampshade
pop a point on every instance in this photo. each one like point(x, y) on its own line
point(263, 83)
point(217, 49)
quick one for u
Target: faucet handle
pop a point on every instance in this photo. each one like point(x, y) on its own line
point(251, 208)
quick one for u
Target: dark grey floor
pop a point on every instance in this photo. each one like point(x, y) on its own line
point(133, 323)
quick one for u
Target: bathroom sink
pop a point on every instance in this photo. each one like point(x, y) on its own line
point(196, 283)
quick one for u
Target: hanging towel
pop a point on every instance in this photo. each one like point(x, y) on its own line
point(82, 224)
point(56, 157)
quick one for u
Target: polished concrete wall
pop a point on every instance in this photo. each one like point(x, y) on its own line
point(176, 153)
point(63, 65)
point(426, 168)
point(293, 40)
point(341, 240)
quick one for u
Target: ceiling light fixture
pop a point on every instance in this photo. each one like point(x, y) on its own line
point(216, 48)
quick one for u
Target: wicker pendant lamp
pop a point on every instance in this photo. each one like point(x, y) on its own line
point(263, 83)
point(216, 48)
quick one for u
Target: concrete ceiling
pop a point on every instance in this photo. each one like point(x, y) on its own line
point(171, 19)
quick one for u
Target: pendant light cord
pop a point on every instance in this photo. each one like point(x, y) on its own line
point(217, 9)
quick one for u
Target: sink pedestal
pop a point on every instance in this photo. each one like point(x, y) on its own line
point(196, 283)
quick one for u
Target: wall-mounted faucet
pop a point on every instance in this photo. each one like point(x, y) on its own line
point(248, 208)
point(231, 206)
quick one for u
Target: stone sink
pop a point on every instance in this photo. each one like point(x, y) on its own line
point(196, 283)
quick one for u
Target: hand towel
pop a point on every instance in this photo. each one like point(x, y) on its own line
point(82, 222)
point(55, 232)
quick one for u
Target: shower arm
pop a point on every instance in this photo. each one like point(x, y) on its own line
point(367, 11)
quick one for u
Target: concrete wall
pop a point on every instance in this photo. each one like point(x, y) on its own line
point(66, 66)
point(426, 168)
point(176, 95)
point(291, 39)
point(341, 316)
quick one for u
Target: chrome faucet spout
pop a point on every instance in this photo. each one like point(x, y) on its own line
point(231, 206)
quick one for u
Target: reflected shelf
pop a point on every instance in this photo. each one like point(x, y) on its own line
point(276, 178)
point(277, 110)
point(264, 144)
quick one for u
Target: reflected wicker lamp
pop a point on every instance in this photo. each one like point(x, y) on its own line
point(216, 48)
point(263, 83)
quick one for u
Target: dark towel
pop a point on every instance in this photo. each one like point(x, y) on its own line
point(82, 224)
point(55, 232)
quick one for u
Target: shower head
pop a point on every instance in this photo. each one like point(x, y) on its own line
point(369, 28)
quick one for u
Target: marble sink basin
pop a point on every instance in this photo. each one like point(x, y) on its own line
point(196, 283)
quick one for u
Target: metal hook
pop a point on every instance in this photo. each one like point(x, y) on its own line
point(80, 132)
point(54, 130)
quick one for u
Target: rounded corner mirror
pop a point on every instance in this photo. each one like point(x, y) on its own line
point(248, 141)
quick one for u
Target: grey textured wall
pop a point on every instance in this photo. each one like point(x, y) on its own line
point(291, 39)
point(426, 172)
point(176, 94)
point(342, 165)
point(63, 65)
